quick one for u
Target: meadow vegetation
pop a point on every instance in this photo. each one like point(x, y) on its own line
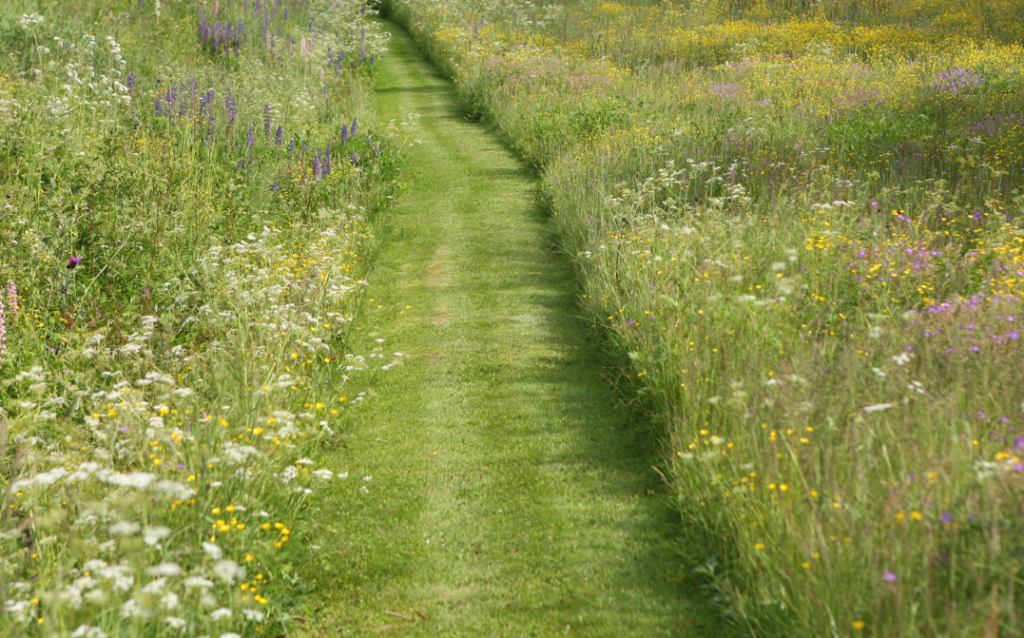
point(802, 221)
point(190, 194)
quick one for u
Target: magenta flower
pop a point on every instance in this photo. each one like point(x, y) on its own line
point(3, 332)
point(74, 261)
point(889, 577)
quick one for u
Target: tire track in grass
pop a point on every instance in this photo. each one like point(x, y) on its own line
point(509, 495)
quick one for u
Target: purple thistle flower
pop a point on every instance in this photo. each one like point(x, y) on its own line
point(279, 136)
point(74, 261)
point(889, 577)
point(946, 518)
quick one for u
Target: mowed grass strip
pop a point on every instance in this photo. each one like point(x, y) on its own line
point(505, 493)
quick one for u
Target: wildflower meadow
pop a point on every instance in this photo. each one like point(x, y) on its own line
point(190, 193)
point(801, 226)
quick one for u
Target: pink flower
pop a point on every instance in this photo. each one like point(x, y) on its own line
point(12, 296)
point(3, 332)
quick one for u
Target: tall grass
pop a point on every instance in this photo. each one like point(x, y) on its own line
point(802, 222)
point(190, 193)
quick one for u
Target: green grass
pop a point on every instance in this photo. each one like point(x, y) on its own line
point(178, 292)
point(805, 233)
point(510, 496)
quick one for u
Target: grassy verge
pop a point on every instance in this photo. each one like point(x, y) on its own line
point(804, 230)
point(189, 201)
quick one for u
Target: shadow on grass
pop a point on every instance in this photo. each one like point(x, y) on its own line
point(592, 366)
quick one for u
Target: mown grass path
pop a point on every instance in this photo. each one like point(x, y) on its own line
point(509, 495)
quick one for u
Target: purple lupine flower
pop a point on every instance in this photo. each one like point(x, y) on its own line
point(131, 83)
point(317, 169)
point(327, 161)
point(344, 134)
point(341, 57)
point(159, 112)
point(12, 297)
point(354, 159)
point(889, 577)
point(362, 54)
point(266, 120)
point(250, 137)
point(231, 107)
point(74, 261)
point(371, 58)
point(279, 136)
point(275, 187)
point(352, 131)
point(291, 149)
